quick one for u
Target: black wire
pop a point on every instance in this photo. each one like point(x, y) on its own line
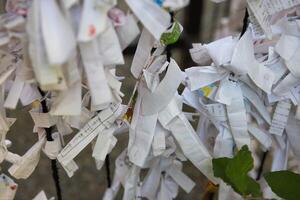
point(261, 167)
point(169, 47)
point(107, 165)
point(245, 22)
point(172, 16)
point(55, 174)
point(168, 52)
point(45, 110)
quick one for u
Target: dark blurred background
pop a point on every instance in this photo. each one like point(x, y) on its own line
point(203, 21)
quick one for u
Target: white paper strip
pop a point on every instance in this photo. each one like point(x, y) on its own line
point(280, 117)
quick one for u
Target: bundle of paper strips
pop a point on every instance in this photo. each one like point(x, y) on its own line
point(60, 57)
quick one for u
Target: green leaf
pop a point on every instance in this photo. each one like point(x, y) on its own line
point(253, 188)
point(219, 166)
point(171, 36)
point(285, 184)
point(237, 170)
point(234, 172)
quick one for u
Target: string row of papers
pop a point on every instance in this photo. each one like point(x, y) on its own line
point(245, 88)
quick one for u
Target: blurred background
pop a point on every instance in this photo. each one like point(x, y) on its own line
point(203, 21)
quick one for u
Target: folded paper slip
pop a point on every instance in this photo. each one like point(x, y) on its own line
point(105, 119)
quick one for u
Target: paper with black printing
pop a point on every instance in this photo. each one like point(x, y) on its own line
point(280, 117)
point(102, 121)
point(263, 11)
